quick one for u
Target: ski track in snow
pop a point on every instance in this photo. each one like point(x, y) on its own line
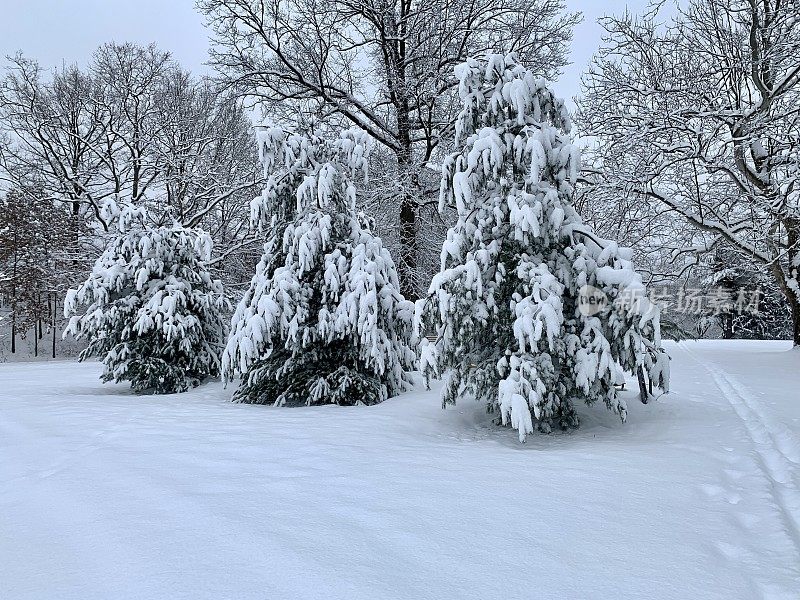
point(777, 452)
point(775, 445)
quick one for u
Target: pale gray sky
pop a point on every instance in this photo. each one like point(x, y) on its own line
point(53, 31)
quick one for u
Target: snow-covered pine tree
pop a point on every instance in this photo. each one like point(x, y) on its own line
point(323, 321)
point(511, 305)
point(153, 312)
point(742, 302)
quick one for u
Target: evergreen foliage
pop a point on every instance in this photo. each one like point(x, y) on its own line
point(511, 305)
point(153, 312)
point(323, 321)
point(744, 302)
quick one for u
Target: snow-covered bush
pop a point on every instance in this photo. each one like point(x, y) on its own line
point(153, 312)
point(512, 306)
point(323, 321)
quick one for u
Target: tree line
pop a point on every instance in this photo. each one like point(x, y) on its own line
point(691, 119)
point(132, 127)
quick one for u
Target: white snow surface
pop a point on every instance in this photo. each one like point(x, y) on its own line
point(107, 495)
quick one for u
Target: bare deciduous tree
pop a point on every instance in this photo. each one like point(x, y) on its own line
point(699, 119)
point(384, 65)
point(131, 127)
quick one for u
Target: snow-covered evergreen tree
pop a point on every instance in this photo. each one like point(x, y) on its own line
point(513, 304)
point(323, 321)
point(152, 311)
point(742, 302)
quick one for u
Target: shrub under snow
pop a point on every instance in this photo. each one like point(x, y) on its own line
point(153, 312)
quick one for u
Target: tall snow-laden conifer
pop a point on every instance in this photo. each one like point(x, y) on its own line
point(153, 312)
point(511, 305)
point(323, 321)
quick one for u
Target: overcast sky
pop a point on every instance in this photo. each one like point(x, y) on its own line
point(53, 31)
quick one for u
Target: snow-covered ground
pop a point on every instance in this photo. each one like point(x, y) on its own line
point(106, 495)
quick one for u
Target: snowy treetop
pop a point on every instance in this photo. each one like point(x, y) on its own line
point(500, 84)
point(309, 167)
point(153, 261)
point(123, 215)
point(510, 120)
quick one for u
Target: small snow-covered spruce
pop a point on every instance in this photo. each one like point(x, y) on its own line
point(506, 307)
point(152, 311)
point(323, 321)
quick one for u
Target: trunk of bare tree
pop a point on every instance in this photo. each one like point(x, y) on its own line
point(408, 211)
point(53, 322)
point(408, 238)
point(792, 300)
point(14, 295)
point(396, 64)
point(794, 304)
point(726, 322)
point(793, 241)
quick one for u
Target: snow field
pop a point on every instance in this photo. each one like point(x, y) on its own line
point(104, 494)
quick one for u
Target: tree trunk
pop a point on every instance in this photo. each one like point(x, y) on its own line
point(14, 282)
point(397, 65)
point(794, 303)
point(726, 320)
point(791, 298)
point(408, 218)
point(792, 295)
point(644, 395)
point(54, 334)
point(408, 240)
point(53, 321)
